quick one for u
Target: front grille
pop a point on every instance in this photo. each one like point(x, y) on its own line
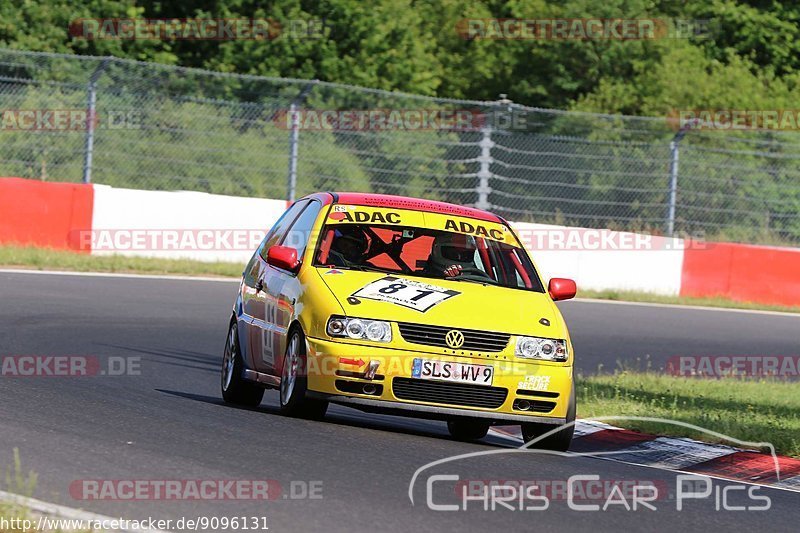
point(420, 390)
point(474, 340)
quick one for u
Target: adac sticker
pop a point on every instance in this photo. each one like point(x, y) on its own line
point(405, 292)
point(369, 217)
point(489, 231)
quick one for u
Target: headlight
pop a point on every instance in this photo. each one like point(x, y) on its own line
point(536, 348)
point(359, 328)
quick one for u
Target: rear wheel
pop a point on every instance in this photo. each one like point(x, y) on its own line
point(235, 389)
point(467, 430)
point(294, 381)
point(558, 441)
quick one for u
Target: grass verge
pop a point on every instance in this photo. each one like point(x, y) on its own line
point(18, 482)
point(750, 410)
point(48, 259)
point(646, 297)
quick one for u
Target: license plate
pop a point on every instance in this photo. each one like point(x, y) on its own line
point(448, 371)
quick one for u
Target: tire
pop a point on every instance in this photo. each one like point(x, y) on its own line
point(467, 430)
point(294, 381)
point(558, 441)
point(235, 389)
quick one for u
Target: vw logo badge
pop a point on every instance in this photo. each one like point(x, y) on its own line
point(454, 338)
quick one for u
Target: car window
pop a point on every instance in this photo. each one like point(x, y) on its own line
point(300, 233)
point(426, 252)
point(281, 227)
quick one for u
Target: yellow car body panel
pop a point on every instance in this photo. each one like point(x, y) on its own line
point(326, 291)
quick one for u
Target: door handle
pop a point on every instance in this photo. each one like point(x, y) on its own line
point(259, 286)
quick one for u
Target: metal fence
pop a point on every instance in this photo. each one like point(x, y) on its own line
point(151, 126)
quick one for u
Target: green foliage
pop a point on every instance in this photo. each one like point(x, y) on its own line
point(751, 52)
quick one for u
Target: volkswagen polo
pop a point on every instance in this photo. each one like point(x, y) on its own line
point(402, 306)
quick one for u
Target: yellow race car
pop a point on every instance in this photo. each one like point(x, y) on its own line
point(402, 306)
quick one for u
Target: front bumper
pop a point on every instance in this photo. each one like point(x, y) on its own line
point(336, 372)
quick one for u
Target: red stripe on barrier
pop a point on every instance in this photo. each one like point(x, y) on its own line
point(742, 272)
point(45, 214)
point(749, 466)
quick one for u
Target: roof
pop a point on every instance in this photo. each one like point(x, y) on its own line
point(413, 204)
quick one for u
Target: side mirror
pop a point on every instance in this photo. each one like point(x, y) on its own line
point(283, 257)
point(562, 289)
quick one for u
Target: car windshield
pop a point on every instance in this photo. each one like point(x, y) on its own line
point(427, 253)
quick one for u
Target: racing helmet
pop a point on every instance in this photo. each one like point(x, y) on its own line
point(452, 249)
point(351, 242)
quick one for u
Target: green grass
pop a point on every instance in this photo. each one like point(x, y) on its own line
point(718, 301)
point(749, 410)
point(18, 482)
point(49, 259)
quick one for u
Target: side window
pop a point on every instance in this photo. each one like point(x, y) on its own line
point(278, 231)
point(300, 232)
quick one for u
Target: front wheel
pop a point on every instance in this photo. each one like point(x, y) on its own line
point(235, 389)
point(294, 382)
point(558, 441)
point(467, 430)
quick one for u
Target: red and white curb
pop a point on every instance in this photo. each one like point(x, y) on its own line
point(679, 454)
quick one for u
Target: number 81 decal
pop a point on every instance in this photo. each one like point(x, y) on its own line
point(405, 292)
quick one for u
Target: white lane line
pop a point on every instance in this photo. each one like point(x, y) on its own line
point(229, 280)
point(115, 275)
point(66, 513)
point(683, 306)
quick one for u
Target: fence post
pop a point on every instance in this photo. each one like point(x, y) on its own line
point(673, 186)
point(485, 160)
point(294, 138)
point(91, 121)
point(674, 147)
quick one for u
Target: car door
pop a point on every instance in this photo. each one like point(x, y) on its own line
point(282, 290)
point(253, 308)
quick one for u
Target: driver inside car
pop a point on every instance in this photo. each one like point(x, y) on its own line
point(451, 254)
point(349, 247)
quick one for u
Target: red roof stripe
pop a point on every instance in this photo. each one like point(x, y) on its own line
point(415, 204)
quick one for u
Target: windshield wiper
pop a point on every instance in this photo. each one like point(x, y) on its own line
point(367, 268)
point(486, 281)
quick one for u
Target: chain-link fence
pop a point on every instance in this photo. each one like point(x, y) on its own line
point(151, 126)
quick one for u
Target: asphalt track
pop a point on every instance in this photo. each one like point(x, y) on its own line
point(169, 422)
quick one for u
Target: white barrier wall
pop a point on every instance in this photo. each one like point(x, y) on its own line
point(209, 227)
point(603, 259)
point(188, 225)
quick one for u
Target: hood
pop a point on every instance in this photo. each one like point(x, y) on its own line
point(465, 305)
